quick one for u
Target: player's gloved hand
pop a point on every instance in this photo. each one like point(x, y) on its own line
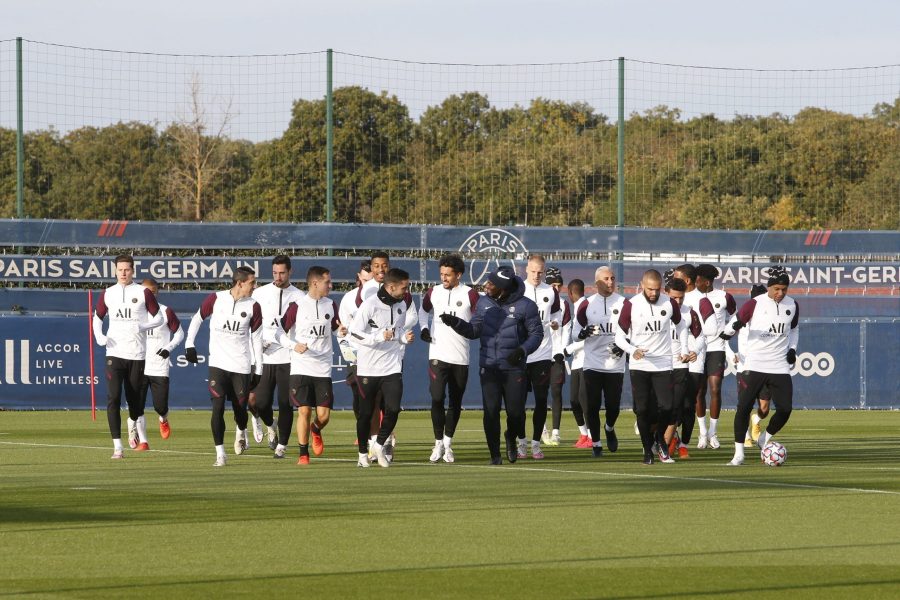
point(725, 336)
point(425, 336)
point(616, 351)
point(163, 353)
point(191, 355)
point(737, 324)
point(254, 380)
point(516, 356)
point(101, 340)
point(450, 320)
point(586, 332)
point(559, 358)
point(791, 356)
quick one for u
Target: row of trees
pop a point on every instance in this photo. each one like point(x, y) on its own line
point(467, 162)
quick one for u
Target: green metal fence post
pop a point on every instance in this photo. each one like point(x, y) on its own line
point(620, 174)
point(20, 135)
point(329, 142)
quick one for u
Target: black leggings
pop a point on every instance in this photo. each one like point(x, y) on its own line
point(539, 376)
point(577, 396)
point(128, 374)
point(689, 408)
point(158, 387)
point(235, 387)
point(602, 387)
point(557, 379)
point(497, 388)
point(453, 378)
point(391, 388)
point(781, 388)
point(652, 393)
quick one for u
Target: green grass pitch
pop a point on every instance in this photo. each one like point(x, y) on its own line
point(75, 524)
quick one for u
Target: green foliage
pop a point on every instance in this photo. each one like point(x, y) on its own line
point(468, 162)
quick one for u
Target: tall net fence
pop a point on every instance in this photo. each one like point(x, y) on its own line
point(127, 135)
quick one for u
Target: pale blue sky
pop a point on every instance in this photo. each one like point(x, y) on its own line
point(765, 34)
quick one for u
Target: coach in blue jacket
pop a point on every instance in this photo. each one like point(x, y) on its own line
point(510, 328)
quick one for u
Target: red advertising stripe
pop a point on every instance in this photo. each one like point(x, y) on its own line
point(102, 231)
point(122, 227)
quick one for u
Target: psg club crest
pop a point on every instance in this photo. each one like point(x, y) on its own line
point(134, 300)
point(488, 249)
point(459, 303)
point(243, 315)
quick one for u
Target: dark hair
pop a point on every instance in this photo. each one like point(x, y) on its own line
point(676, 284)
point(396, 276)
point(125, 258)
point(707, 271)
point(150, 282)
point(366, 265)
point(282, 259)
point(453, 261)
point(242, 274)
point(688, 270)
point(653, 275)
point(576, 285)
point(380, 254)
point(316, 272)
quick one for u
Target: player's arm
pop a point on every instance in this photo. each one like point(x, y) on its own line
point(425, 312)
point(681, 328)
point(364, 330)
point(174, 326)
point(256, 337)
point(622, 329)
point(100, 311)
point(794, 333)
point(157, 318)
point(287, 322)
point(562, 336)
point(696, 337)
point(205, 310)
point(470, 329)
point(708, 319)
point(410, 319)
point(743, 316)
point(534, 327)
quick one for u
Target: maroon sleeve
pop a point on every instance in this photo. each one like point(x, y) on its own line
point(625, 317)
point(289, 318)
point(256, 318)
point(207, 307)
point(746, 312)
point(676, 311)
point(407, 298)
point(335, 320)
point(473, 299)
point(426, 301)
point(695, 327)
point(359, 298)
point(567, 314)
point(172, 320)
point(730, 305)
point(581, 316)
point(555, 306)
point(150, 302)
point(706, 309)
point(100, 308)
point(796, 320)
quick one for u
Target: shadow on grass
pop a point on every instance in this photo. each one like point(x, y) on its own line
point(31, 515)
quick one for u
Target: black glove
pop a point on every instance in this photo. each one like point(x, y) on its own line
point(162, 352)
point(738, 324)
point(616, 351)
point(515, 357)
point(559, 358)
point(450, 320)
point(586, 332)
point(191, 355)
point(725, 336)
point(254, 380)
point(425, 336)
point(791, 356)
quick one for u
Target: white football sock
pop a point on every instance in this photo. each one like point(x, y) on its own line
point(739, 450)
point(764, 438)
point(754, 418)
point(164, 418)
point(535, 444)
point(117, 444)
point(447, 441)
point(220, 451)
point(597, 444)
point(608, 428)
point(142, 429)
point(280, 448)
point(582, 430)
point(701, 422)
point(713, 424)
point(555, 433)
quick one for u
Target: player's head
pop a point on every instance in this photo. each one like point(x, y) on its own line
point(534, 270)
point(318, 282)
point(605, 280)
point(687, 273)
point(152, 285)
point(553, 277)
point(777, 285)
point(396, 283)
point(380, 264)
point(706, 276)
point(676, 289)
point(576, 289)
point(365, 271)
point(281, 271)
point(124, 269)
point(451, 269)
point(243, 281)
point(501, 283)
point(757, 290)
point(651, 284)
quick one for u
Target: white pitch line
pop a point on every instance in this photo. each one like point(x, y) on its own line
point(511, 469)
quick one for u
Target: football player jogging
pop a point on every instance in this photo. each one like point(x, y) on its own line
point(723, 306)
point(132, 311)
point(561, 338)
point(738, 359)
point(310, 322)
point(235, 341)
point(161, 342)
point(381, 331)
point(349, 304)
point(772, 320)
point(448, 352)
point(645, 333)
point(273, 299)
point(539, 362)
point(604, 362)
point(509, 328)
point(575, 349)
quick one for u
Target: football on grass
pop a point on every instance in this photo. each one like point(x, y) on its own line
point(774, 454)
